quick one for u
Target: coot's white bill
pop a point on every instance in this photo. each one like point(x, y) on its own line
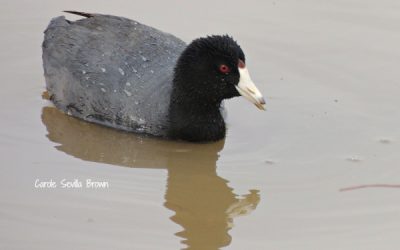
point(248, 89)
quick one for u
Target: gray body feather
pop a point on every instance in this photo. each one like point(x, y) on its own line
point(112, 71)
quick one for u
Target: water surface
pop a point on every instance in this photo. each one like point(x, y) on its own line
point(318, 170)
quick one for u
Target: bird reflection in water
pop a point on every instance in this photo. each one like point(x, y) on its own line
point(204, 204)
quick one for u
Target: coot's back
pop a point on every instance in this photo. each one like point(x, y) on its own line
point(112, 71)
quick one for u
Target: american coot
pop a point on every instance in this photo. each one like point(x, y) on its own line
point(117, 72)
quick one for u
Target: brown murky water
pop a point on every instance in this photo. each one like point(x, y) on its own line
point(318, 170)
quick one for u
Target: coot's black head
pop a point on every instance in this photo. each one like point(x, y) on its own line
point(213, 68)
point(209, 70)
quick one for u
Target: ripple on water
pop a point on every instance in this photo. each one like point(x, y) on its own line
point(270, 162)
point(385, 140)
point(354, 159)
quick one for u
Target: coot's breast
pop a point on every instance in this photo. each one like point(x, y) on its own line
point(112, 71)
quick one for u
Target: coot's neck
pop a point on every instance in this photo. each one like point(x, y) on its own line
point(194, 114)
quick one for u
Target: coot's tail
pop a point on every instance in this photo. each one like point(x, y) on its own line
point(79, 13)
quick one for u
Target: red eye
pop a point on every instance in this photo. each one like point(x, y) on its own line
point(224, 69)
